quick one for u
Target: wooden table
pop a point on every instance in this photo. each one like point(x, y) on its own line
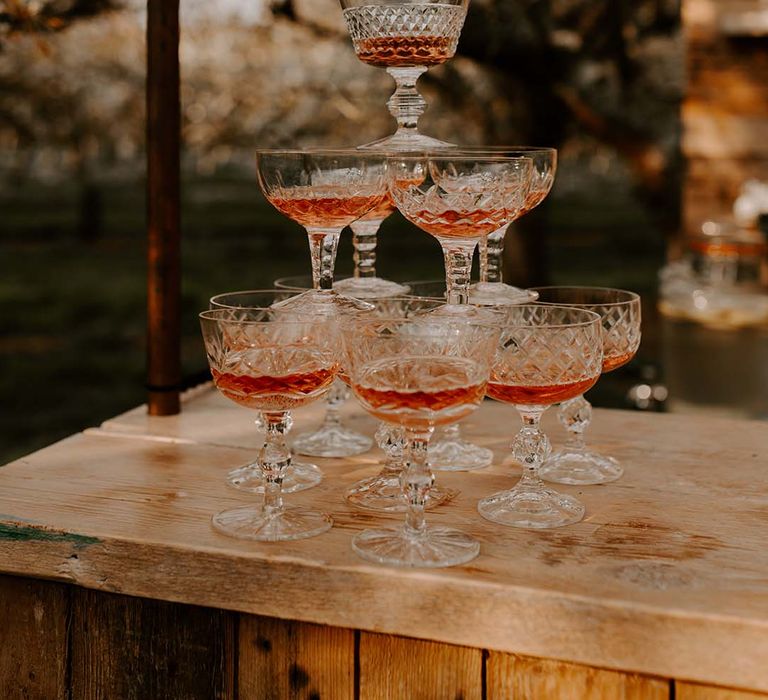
point(116, 586)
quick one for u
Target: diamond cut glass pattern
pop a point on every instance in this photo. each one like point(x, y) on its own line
point(546, 354)
point(620, 312)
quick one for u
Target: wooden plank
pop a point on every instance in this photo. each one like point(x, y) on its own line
point(694, 691)
point(133, 649)
point(397, 667)
point(163, 208)
point(33, 639)
point(525, 678)
point(285, 659)
point(668, 568)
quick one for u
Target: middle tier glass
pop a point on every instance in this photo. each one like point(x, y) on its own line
point(324, 191)
point(459, 199)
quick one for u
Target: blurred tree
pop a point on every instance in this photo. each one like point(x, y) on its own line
point(37, 108)
point(600, 79)
point(608, 70)
point(47, 15)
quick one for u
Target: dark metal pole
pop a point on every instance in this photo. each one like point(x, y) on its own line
point(163, 222)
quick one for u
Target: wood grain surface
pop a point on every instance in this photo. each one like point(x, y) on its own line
point(135, 649)
point(287, 659)
point(694, 691)
point(397, 667)
point(33, 639)
point(523, 678)
point(667, 570)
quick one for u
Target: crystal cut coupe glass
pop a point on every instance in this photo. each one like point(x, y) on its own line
point(325, 191)
point(332, 438)
point(406, 37)
point(459, 199)
point(418, 373)
point(298, 475)
point(491, 288)
point(271, 360)
point(620, 313)
point(383, 491)
point(546, 354)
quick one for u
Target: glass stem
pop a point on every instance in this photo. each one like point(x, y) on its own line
point(531, 447)
point(416, 480)
point(391, 439)
point(322, 247)
point(458, 268)
point(494, 257)
point(364, 243)
point(406, 105)
point(338, 394)
point(274, 459)
point(575, 416)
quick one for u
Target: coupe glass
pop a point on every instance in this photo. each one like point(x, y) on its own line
point(546, 354)
point(332, 438)
point(383, 491)
point(459, 199)
point(418, 373)
point(249, 477)
point(324, 191)
point(449, 451)
point(491, 288)
point(406, 37)
point(620, 314)
point(271, 360)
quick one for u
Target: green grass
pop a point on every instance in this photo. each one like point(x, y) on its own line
point(72, 314)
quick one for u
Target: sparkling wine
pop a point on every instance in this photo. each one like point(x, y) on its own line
point(420, 390)
point(452, 223)
point(405, 35)
point(380, 212)
point(538, 395)
point(532, 200)
point(614, 360)
point(405, 51)
point(312, 208)
point(273, 392)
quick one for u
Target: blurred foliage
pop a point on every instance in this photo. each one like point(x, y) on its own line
point(50, 16)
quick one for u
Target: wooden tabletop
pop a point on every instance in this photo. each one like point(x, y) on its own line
point(667, 574)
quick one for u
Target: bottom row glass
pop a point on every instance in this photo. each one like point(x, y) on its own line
point(414, 374)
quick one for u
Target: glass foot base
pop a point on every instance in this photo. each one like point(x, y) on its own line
point(437, 547)
point(458, 455)
point(249, 523)
point(325, 302)
point(531, 508)
point(370, 288)
point(332, 442)
point(383, 493)
point(580, 468)
point(406, 141)
point(299, 477)
point(498, 293)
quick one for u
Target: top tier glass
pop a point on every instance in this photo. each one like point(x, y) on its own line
point(406, 37)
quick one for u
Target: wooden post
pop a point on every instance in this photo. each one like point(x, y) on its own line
point(163, 223)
